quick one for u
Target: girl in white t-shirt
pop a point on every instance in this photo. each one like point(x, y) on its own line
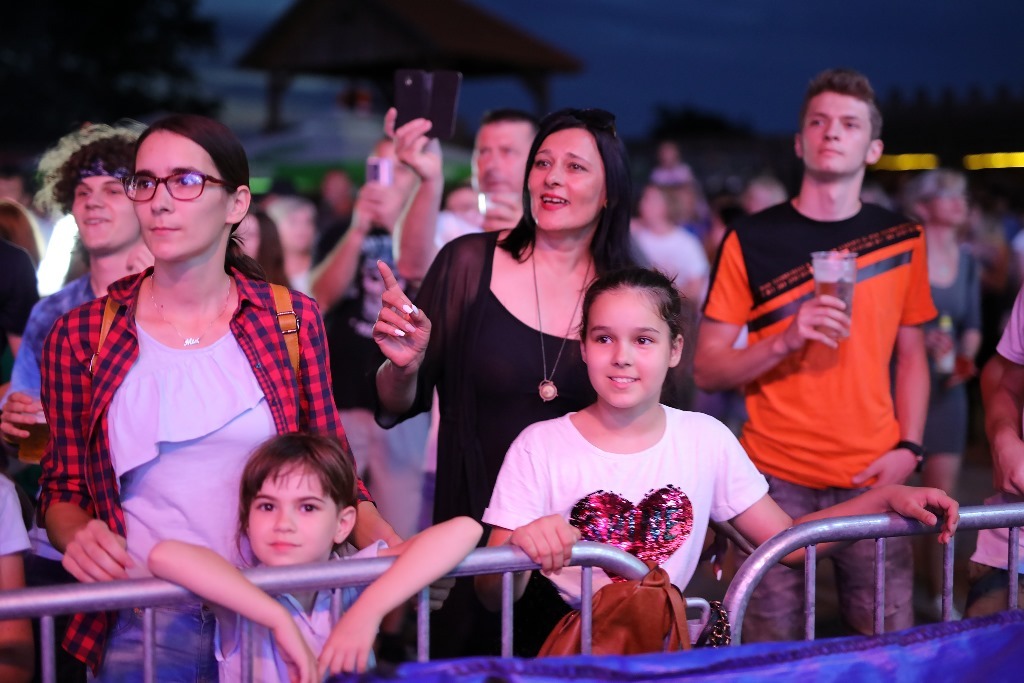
point(297, 505)
point(639, 475)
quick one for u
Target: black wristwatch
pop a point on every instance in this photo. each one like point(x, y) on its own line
point(915, 448)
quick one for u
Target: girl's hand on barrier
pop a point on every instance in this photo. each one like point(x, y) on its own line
point(97, 554)
point(548, 541)
point(301, 662)
point(918, 503)
point(349, 646)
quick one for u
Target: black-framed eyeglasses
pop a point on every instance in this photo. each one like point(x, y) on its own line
point(187, 185)
point(597, 118)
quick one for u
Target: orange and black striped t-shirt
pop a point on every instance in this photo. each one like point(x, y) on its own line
point(821, 415)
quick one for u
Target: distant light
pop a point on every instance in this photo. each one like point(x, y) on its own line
point(906, 162)
point(54, 266)
point(259, 185)
point(977, 162)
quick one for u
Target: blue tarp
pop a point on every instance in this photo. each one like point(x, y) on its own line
point(985, 649)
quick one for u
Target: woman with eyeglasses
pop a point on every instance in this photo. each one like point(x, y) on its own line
point(152, 428)
point(494, 329)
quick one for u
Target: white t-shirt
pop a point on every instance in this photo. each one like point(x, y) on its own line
point(993, 544)
point(13, 536)
point(267, 663)
point(678, 254)
point(655, 504)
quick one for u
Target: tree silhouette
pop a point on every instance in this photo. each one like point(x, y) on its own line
point(63, 63)
point(679, 122)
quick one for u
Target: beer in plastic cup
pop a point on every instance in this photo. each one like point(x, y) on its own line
point(835, 274)
point(32, 447)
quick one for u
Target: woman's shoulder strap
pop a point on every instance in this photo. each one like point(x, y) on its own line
point(289, 322)
point(109, 311)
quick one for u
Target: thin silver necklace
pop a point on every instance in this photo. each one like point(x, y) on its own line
point(189, 341)
point(547, 389)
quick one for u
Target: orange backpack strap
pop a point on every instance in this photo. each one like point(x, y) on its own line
point(289, 323)
point(109, 311)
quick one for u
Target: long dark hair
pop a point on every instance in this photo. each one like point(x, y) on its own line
point(232, 164)
point(611, 247)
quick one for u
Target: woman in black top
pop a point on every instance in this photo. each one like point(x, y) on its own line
point(500, 343)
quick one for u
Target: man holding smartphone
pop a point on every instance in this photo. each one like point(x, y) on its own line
point(348, 287)
point(499, 169)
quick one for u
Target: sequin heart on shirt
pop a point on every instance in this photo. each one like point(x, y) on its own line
point(652, 530)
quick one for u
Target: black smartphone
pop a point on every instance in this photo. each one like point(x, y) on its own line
point(432, 95)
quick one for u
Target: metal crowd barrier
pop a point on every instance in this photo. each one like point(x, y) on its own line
point(45, 603)
point(878, 527)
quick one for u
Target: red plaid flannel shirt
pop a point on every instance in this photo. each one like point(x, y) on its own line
point(77, 467)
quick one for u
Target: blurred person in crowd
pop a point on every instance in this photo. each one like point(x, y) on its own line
point(337, 198)
point(81, 175)
point(17, 295)
point(725, 210)
point(1002, 390)
point(938, 199)
point(726, 405)
point(295, 218)
point(762, 192)
point(670, 248)
point(1000, 274)
point(17, 649)
point(18, 226)
point(670, 169)
point(499, 165)
point(462, 200)
point(460, 214)
point(687, 205)
point(260, 240)
point(13, 185)
point(678, 254)
point(818, 442)
point(504, 293)
point(874, 193)
point(348, 287)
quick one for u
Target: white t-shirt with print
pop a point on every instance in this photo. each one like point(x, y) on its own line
point(655, 503)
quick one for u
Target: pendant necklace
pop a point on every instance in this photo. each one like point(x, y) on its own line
point(547, 389)
point(189, 341)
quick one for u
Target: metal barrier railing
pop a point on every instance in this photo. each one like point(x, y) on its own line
point(45, 603)
point(878, 527)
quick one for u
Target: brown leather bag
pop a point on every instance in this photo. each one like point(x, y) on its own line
point(628, 617)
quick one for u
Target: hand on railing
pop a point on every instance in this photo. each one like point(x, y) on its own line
point(96, 553)
point(548, 541)
point(919, 502)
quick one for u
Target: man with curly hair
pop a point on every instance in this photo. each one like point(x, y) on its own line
point(82, 175)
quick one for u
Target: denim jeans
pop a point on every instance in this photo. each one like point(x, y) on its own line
point(184, 646)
